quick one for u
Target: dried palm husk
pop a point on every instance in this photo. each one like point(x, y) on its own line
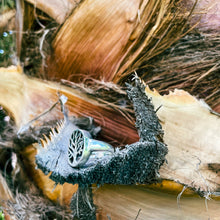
point(110, 39)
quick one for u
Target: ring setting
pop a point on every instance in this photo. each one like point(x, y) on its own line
point(82, 147)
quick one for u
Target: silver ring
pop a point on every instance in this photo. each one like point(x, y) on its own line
point(81, 146)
